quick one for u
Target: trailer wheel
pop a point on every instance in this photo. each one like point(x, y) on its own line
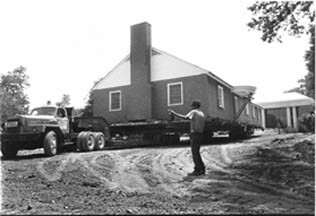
point(50, 143)
point(88, 141)
point(249, 132)
point(207, 137)
point(9, 149)
point(99, 140)
point(170, 139)
point(107, 134)
point(236, 134)
point(80, 140)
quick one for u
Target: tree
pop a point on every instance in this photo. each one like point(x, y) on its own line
point(13, 99)
point(65, 100)
point(307, 84)
point(88, 109)
point(273, 18)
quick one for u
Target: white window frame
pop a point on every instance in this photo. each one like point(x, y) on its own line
point(236, 104)
point(168, 93)
point(220, 91)
point(247, 109)
point(110, 100)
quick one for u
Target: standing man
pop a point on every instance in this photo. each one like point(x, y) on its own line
point(197, 122)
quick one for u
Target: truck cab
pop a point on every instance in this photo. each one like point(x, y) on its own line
point(58, 114)
point(52, 128)
point(31, 131)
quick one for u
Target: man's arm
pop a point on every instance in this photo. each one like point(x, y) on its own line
point(178, 114)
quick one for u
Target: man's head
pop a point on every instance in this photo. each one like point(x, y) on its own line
point(196, 104)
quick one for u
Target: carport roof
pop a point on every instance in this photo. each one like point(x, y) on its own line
point(292, 99)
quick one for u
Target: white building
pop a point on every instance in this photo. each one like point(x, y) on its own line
point(286, 109)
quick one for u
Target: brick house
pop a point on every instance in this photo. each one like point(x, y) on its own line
point(149, 81)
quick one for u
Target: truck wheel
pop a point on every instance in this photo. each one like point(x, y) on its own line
point(99, 140)
point(50, 143)
point(9, 150)
point(80, 140)
point(88, 142)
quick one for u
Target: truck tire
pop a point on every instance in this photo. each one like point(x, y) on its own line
point(88, 141)
point(50, 143)
point(80, 140)
point(99, 140)
point(9, 149)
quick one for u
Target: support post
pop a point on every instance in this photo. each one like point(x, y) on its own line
point(263, 119)
point(288, 116)
point(294, 117)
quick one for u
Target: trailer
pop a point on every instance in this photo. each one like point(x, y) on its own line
point(168, 132)
point(53, 128)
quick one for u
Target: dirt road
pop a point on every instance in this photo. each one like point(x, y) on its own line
point(266, 174)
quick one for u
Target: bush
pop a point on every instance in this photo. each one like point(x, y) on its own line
point(306, 123)
point(290, 130)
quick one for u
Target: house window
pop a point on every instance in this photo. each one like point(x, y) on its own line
point(247, 109)
point(115, 100)
point(220, 96)
point(236, 104)
point(175, 94)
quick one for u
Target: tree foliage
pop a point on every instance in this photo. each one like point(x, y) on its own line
point(306, 123)
point(273, 18)
point(65, 100)
point(13, 99)
point(307, 84)
point(88, 109)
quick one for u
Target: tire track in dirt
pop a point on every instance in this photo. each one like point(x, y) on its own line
point(162, 171)
point(214, 163)
point(127, 175)
point(170, 171)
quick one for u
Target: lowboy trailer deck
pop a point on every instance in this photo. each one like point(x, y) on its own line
point(166, 132)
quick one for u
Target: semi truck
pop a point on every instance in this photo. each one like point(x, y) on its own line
point(53, 128)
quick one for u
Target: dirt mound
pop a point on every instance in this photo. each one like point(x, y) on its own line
point(285, 163)
point(266, 174)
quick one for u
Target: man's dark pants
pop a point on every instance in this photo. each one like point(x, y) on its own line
point(196, 141)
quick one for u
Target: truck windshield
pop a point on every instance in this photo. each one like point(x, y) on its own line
point(50, 111)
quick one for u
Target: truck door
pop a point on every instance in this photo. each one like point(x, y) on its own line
point(62, 120)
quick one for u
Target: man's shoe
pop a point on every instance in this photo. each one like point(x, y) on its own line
point(196, 173)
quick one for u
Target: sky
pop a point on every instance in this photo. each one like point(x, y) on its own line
point(67, 45)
